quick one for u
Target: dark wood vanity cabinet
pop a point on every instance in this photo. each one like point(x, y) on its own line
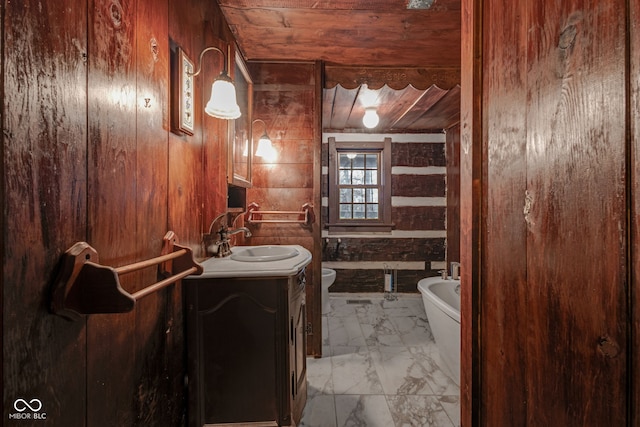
point(246, 350)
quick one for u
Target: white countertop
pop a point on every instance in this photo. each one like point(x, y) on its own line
point(228, 268)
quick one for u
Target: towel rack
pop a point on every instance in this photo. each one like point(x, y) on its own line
point(304, 216)
point(83, 286)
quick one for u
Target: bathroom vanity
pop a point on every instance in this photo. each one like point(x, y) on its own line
point(246, 343)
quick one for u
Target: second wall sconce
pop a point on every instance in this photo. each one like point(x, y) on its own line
point(223, 103)
point(265, 147)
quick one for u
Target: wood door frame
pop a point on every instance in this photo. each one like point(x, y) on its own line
point(470, 208)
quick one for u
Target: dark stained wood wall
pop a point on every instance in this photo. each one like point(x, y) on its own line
point(44, 110)
point(86, 158)
point(634, 167)
point(287, 96)
point(545, 167)
point(576, 177)
point(504, 156)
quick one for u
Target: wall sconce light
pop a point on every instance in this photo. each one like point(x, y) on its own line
point(370, 118)
point(223, 103)
point(265, 147)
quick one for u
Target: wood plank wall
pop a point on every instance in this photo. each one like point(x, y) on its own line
point(546, 166)
point(287, 98)
point(88, 156)
point(416, 248)
point(634, 166)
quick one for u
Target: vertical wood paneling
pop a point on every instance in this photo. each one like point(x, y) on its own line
point(471, 183)
point(576, 254)
point(44, 200)
point(86, 158)
point(503, 283)
point(158, 380)
point(112, 203)
point(185, 151)
point(634, 244)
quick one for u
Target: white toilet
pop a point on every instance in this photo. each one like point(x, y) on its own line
point(328, 277)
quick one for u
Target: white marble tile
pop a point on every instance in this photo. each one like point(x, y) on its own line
point(368, 310)
point(438, 380)
point(451, 405)
point(380, 367)
point(413, 330)
point(345, 331)
point(363, 411)
point(353, 371)
point(325, 331)
point(319, 375)
point(418, 411)
point(402, 370)
point(340, 307)
point(320, 411)
point(379, 331)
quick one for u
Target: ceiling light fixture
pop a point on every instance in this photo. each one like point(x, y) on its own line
point(223, 102)
point(370, 118)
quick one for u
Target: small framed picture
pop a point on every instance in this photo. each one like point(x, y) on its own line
point(183, 99)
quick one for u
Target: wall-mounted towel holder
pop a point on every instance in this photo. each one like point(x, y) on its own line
point(304, 216)
point(83, 286)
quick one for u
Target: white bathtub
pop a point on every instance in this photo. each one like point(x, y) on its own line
point(442, 304)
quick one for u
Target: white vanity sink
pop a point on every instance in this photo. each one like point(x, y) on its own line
point(257, 261)
point(263, 253)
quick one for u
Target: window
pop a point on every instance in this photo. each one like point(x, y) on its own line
point(359, 186)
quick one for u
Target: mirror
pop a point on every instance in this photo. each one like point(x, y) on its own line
point(241, 147)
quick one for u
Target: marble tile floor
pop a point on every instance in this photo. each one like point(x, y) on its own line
point(380, 367)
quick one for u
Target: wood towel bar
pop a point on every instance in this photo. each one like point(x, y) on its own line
point(83, 286)
point(304, 216)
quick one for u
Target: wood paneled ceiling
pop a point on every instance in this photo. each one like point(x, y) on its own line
point(409, 45)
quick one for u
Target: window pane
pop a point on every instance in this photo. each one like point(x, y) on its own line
point(372, 161)
point(372, 211)
point(345, 162)
point(357, 177)
point(345, 177)
point(371, 177)
point(345, 195)
point(372, 195)
point(358, 195)
point(358, 162)
point(345, 211)
point(358, 211)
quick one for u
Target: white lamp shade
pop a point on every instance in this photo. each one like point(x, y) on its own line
point(370, 118)
point(223, 103)
point(264, 147)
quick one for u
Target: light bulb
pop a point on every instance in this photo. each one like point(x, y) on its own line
point(370, 118)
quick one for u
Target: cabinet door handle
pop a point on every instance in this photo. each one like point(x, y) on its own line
point(291, 331)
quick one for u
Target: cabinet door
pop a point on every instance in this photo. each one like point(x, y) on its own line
point(236, 351)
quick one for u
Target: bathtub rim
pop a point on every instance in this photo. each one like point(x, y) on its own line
point(424, 286)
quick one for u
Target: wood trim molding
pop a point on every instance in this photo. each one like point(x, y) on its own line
point(395, 78)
